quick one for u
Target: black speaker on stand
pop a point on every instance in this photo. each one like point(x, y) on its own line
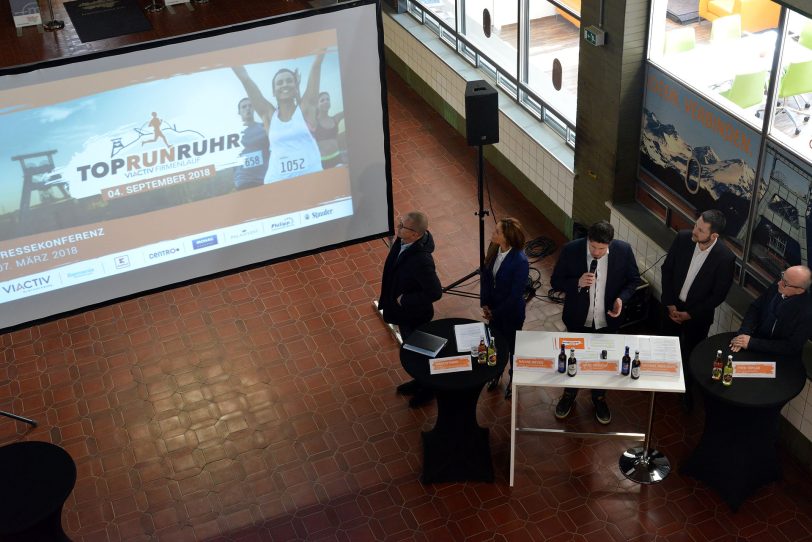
point(481, 128)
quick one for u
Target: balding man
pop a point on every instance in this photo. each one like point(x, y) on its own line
point(780, 320)
point(410, 286)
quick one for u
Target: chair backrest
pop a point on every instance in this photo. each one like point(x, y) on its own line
point(806, 35)
point(680, 40)
point(726, 29)
point(796, 80)
point(747, 89)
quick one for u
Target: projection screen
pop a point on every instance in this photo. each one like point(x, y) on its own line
point(175, 160)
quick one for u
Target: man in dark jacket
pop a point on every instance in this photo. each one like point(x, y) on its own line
point(598, 276)
point(697, 275)
point(410, 286)
point(780, 320)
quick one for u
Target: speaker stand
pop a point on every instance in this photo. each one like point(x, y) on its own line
point(18, 418)
point(481, 213)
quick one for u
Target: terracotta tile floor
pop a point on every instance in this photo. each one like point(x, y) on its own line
point(261, 406)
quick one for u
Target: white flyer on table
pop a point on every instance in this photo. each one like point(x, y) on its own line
point(468, 335)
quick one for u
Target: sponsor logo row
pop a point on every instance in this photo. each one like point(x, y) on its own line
point(87, 271)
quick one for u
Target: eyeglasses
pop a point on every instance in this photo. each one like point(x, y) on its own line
point(402, 227)
point(787, 284)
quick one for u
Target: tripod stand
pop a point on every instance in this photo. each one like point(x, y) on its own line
point(481, 213)
point(30, 422)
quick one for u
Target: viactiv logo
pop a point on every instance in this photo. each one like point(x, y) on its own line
point(28, 285)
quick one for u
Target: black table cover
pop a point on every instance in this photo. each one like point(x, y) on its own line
point(736, 454)
point(457, 448)
point(36, 477)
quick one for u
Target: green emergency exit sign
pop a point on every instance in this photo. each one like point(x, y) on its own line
point(594, 36)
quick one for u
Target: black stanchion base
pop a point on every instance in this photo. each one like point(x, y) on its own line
point(650, 468)
point(53, 25)
point(154, 8)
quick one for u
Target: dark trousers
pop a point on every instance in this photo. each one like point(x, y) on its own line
point(596, 394)
point(690, 334)
point(405, 331)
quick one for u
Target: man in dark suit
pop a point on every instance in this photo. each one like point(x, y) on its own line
point(410, 286)
point(594, 300)
point(780, 320)
point(696, 277)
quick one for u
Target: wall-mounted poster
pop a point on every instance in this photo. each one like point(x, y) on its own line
point(702, 154)
point(25, 13)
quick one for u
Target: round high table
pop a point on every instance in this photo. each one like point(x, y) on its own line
point(737, 454)
point(36, 477)
point(457, 448)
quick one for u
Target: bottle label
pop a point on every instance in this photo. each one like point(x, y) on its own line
point(717, 373)
point(635, 372)
point(572, 369)
point(727, 380)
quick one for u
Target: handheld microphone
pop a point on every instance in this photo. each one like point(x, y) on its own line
point(593, 268)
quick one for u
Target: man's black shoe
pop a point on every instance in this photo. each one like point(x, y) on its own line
point(422, 397)
point(408, 388)
point(564, 406)
point(602, 413)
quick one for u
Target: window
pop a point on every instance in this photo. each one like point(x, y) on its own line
point(503, 38)
point(790, 123)
point(552, 59)
point(492, 27)
point(704, 139)
point(723, 49)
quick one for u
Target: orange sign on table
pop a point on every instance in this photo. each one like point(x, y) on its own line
point(577, 343)
point(449, 365)
point(668, 368)
point(598, 366)
point(754, 369)
point(534, 363)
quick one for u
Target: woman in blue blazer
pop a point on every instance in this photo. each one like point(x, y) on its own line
point(502, 287)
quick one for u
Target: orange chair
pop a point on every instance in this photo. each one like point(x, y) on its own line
point(576, 6)
point(756, 15)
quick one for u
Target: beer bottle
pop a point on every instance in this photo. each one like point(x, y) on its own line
point(482, 351)
point(562, 360)
point(492, 352)
point(572, 364)
point(727, 372)
point(716, 374)
point(636, 365)
point(625, 363)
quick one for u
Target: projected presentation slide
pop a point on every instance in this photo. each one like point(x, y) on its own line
point(118, 170)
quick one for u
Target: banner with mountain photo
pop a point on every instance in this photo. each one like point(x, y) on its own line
point(702, 154)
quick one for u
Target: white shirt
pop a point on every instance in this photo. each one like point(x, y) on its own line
point(697, 260)
point(294, 152)
point(597, 292)
point(500, 257)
